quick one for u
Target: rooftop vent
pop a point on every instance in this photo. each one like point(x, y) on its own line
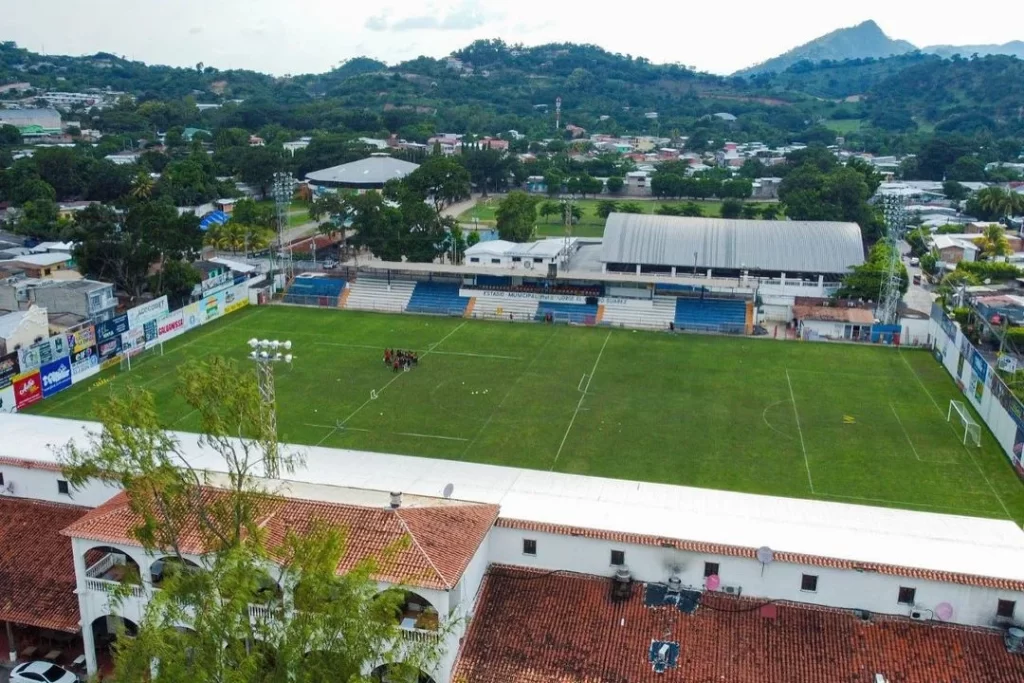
point(396, 500)
point(675, 584)
point(1014, 640)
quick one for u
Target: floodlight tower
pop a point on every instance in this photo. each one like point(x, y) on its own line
point(265, 353)
point(558, 113)
point(282, 201)
point(890, 293)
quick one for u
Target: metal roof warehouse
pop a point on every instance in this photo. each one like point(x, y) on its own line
point(659, 243)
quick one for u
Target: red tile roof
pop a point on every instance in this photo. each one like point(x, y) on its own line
point(440, 539)
point(751, 553)
point(533, 627)
point(37, 567)
point(29, 464)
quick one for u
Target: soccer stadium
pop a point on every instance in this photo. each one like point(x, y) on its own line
point(672, 449)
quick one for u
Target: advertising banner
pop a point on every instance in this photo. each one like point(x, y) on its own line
point(151, 310)
point(193, 316)
point(111, 362)
point(56, 376)
point(216, 281)
point(8, 369)
point(149, 333)
point(235, 299)
point(112, 329)
point(44, 352)
point(7, 403)
point(79, 340)
point(171, 325)
point(84, 364)
point(213, 306)
point(133, 342)
point(110, 348)
point(27, 389)
point(979, 364)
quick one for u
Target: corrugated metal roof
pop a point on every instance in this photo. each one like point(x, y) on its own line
point(374, 170)
point(787, 246)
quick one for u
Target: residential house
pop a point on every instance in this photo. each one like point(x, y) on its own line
point(21, 86)
point(88, 299)
point(576, 131)
point(952, 249)
point(256, 141)
point(295, 145)
point(124, 158)
point(21, 329)
point(638, 183)
point(766, 188)
point(40, 265)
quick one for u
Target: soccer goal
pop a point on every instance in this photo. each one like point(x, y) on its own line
point(972, 432)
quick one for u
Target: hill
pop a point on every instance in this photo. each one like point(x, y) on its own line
point(1013, 49)
point(866, 40)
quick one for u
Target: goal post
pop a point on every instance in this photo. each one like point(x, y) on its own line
point(959, 413)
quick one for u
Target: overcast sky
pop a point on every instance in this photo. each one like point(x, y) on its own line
point(300, 36)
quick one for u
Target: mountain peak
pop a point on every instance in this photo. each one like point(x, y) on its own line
point(865, 40)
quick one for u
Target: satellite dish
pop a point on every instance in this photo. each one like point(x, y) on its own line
point(712, 582)
point(944, 611)
point(765, 555)
point(449, 488)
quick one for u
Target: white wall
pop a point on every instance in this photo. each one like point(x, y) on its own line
point(41, 484)
point(916, 332)
point(822, 328)
point(779, 581)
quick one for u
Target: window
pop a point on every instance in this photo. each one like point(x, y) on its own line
point(618, 558)
point(495, 260)
point(809, 583)
point(62, 487)
point(529, 546)
point(517, 259)
point(1, 478)
point(1005, 608)
point(537, 259)
point(906, 596)
point(710, 569)
point(474, 259)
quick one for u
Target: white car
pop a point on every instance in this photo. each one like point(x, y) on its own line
point(41, 672)
point(915, 261)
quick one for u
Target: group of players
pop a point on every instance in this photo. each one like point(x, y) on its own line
point(396, 359)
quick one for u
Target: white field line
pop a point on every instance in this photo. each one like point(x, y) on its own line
point(579, 403)
point(796, 413)
point(969, 454)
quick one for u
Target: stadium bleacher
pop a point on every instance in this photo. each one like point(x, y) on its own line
point(377, 294)
point(577, 313)
point(711, 314)
point(313, 290)
point(437, 297)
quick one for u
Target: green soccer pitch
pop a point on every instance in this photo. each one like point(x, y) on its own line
point(834, 422)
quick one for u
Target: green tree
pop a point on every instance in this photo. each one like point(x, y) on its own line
point(488, 168)
point(606, 207)
point(614, 184)
point(441, 180)
point(691, 209)
point(257, 165)
point(548, 209)
point(472, 239)
point(630, 207)
point(666, 185)
point(732, 208)
point(250, 212)
point(865, 281)
point(751, 211)
point(969, 168)
point(177, 281)
point(142, 185)
point(554, 179)
point(770, 212)
point(320, 624)
point(32, 190)
point(1001, 202)
point(516, 215)
point(954, 190)
point(993, 242)
point(9, 135)
point(40, 218)
point(840, 194)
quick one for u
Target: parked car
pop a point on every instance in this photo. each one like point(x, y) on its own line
point(41, 672)
point(330, 264)
point(915, 261)
point(917, 279)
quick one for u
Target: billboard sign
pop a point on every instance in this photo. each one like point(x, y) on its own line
point(44, 352)
point(7, 402)
point(212, 307)
point(8, 368)
point(110, 348)
point(234, 299)
point(27, 389)
point(171, 325)
point(56, 376)
point(133, 342)
point(151, 310)
point(193, 316)
point(79, 340)
point(112, 329)
point(84, 364)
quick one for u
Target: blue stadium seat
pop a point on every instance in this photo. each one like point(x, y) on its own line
point(437, 297)
point(711, 314)
point(323, 291)
point(578, 313)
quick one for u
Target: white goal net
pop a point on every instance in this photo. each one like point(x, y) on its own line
point(958, 412)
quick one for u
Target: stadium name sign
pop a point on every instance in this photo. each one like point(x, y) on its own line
point(554, 298)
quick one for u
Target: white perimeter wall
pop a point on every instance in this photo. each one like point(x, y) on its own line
point(41, 484)
point(844, 588)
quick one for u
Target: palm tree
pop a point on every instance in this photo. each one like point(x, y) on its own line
point(993, 241)
point(1001, 202)
point(142, 185)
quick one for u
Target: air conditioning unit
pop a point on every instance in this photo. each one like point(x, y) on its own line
point(731, 590)
point(8, 488)
point(920, 615)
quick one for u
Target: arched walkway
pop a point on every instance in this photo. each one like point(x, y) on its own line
point(111, 565)
point(167, 566)
point(416, 612)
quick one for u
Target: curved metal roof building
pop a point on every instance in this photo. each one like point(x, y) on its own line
point(365, 174)
point(723, 244)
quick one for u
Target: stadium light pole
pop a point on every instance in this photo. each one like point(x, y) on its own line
point(265, 353)
point(282, 186)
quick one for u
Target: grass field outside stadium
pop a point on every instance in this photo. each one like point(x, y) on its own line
point(837, 422)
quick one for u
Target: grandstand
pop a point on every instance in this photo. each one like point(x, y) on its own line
point(314, 289)
point(556, 311)
point(711, 314)
point(437, 297)
point(376, 294)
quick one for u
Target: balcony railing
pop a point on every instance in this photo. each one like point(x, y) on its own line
point(111, 587)
point(419, 635)
point(106, 563)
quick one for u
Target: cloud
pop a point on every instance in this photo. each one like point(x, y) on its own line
point(463, 17)
point(195, 30)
